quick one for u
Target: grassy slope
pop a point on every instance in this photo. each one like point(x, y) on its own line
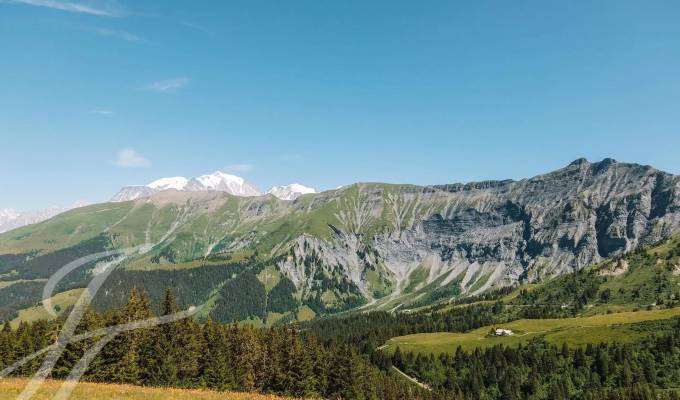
point(66, 229)
point(620, 327)
point(11, 388)
point(60, 301)
point(4, 284)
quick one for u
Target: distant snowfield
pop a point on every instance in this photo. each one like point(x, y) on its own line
point(215, 182)
point(13, 219)
point(218, 181)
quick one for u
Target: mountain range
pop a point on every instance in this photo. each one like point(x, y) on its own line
point(370, 245)
point(215, 182)
point(12, 219)
point(218, 181)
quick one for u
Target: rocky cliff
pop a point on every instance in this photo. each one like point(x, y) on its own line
point(492, 233)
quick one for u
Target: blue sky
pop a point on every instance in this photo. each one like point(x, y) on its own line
point(327, 93)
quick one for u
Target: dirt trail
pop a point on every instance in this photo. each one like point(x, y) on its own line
point(412, 379)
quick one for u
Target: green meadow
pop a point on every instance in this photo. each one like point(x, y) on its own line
point(617, 327)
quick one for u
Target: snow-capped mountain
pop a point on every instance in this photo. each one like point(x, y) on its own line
point(176, 182)
point(133, 193)
point(290, 192)
point(217, 181)
point(221, 182)
point(12, 219)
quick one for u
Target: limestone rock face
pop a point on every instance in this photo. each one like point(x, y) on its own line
point(504, 231)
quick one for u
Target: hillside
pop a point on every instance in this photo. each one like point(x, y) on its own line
point(597, 346)
point(605, 302)
point(380, 246)
point(608, 331)
point(624, 327)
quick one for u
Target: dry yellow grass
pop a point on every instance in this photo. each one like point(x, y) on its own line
point(11, 388)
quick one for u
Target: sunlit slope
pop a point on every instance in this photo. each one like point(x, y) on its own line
point(64, 230)
point(11, 388)
point(618, 327)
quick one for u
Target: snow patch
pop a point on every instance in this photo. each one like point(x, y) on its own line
point(290, 192)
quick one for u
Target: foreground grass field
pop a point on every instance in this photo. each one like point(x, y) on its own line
point(11, 388)
point(619, 327)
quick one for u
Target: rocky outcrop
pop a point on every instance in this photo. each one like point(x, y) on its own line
point(498, 232)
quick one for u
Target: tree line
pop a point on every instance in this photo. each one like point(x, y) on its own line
point(211, 355)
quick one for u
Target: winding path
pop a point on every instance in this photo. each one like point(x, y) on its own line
point(412, 379)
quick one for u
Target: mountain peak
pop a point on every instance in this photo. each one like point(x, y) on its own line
point(218, 177)
point(223, 182)
point(218, 181)
point(175, 182)
point(579, 161)
point(290, 192)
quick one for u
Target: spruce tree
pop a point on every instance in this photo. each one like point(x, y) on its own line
point(215, 370)
point(122, 355)
point(7, 351)
point(246, 349)
point(160, 362)
point(73, 352)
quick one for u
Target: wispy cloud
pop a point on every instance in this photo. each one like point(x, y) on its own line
point(130, 37)
point(107, 9)
point(130, 158)
point(102, 112)
point(197, 27)
point(167, 86)
point(240, 168)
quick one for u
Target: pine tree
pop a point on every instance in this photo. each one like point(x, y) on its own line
point(7, 351)
point(160, 356)
point(189, 345)
point(215, 370)
point(122, 355)
point(397, 359)
point(73, 352)
point(320, 364)
point(300, 369)
point(246, 350)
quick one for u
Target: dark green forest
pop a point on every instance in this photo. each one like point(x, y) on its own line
point(646, 370)
point(210, 355)
point(336, 358)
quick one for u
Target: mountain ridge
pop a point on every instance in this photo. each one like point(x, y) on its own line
point(12, 219)
point(387, 245)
